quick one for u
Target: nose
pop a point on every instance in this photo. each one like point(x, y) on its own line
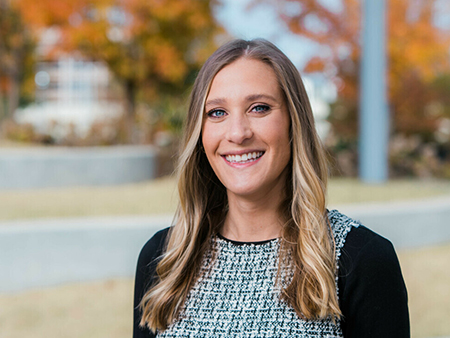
point(239, 129)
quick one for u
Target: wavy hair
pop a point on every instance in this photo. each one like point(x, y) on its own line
point(203, 201)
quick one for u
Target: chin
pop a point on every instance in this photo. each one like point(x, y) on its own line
point(245, 191)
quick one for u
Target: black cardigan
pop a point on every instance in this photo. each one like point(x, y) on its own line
point(372, 293)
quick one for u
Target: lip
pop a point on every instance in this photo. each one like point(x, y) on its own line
point(241, 152)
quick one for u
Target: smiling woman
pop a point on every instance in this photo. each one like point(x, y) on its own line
point(253, 251)
point(245, 135)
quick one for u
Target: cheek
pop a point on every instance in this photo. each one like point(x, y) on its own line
point(281, 139)
point(209, 140)
point(276, 132)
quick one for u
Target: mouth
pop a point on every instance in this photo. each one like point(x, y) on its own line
point(244, 158)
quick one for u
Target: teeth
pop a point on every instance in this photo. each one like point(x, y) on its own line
point(244, 157)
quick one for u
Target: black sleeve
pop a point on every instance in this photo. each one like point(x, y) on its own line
point(372, 293)
point(145, 274)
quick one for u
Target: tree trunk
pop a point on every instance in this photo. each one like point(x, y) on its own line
point(130, 110)
point(13, 95)
point(2, 106)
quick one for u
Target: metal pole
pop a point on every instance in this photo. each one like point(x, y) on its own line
point(374, 114)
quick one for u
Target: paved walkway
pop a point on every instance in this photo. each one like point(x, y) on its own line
point(45, 252)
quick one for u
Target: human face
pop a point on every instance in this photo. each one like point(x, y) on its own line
point(245, 130)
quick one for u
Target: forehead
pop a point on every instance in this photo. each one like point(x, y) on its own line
point(244, 77)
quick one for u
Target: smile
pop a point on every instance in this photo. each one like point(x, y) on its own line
point(244, 158)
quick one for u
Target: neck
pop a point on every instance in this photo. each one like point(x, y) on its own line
point(250, 220)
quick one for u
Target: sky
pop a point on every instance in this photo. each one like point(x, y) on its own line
point(262, 22)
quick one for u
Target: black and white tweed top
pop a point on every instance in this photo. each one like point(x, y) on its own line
point(237, 293)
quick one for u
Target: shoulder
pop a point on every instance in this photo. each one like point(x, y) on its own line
point(148, 259)
point(360, 249)
point(353, 239)
point(340, 225)
point(366, 247)
point(367, 262)
point(372, 293)
point(360, 237)
point(145, 276)
point(153, 248)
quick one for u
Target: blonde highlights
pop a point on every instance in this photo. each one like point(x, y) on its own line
point(203, 201)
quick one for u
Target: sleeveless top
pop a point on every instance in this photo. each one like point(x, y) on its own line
point(237, 293)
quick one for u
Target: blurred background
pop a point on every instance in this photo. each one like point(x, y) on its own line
point(93, 95)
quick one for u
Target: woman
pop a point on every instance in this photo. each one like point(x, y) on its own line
point(253, 251)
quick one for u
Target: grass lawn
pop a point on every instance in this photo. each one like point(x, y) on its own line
point(90, 310)
point(147, 198)
point(427, 276)
point(103, 309)
point(159, 197)
point(348, 190)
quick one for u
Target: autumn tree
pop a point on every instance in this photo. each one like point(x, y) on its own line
point(417, 54)
point(16, 50)
point(147, 44)
point(417, 57)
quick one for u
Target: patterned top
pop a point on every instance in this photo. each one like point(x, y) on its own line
point(237, 294)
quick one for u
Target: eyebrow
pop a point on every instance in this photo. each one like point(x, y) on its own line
point(253, 97)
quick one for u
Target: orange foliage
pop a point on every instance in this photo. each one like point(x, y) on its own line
point(417, 55)
point(316, 64)
point(153, 43)
point(136, 38)
point(4, 84)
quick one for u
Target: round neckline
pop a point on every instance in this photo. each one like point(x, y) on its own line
point(245, 243)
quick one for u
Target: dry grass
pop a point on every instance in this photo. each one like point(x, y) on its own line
point(159, 197)
point(146, 198)
point(91, 310)
point(104, 309)
point(348, 190)
point(427, 275)
point(4, 143)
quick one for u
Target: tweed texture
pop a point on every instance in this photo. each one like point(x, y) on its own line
point(237, 293)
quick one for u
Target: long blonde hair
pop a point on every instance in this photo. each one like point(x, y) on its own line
point(203, 201)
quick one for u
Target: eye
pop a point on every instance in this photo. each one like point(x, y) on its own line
point(260, 108)
point(216, 113)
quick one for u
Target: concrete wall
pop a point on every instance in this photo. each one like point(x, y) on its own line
point(407, 224)
point(39, 253)
point(41, 167)
point(50, 252)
